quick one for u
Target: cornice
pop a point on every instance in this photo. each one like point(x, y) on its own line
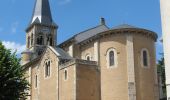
point(77, 61)
point(124, 31)
point(38, 24)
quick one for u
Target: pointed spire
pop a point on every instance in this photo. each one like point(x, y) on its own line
point(42, 13)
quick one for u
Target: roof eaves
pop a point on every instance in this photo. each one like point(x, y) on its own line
point(31, 62)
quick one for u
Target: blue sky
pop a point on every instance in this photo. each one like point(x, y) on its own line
point(74, 16)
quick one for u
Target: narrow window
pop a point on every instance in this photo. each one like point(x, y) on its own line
point(111, 58)
point(51, 42)
point(65, 74)
point(36, 81)
point(31, 39)
point(88, 58)
point(41, 40)
point(145, 58)
point(47, 69)
point(28, 42)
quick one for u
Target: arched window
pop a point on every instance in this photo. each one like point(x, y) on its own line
point(88, 57)
point(145, 57)
point(65, 75)
point(36, 81)
point(51, 42)
point(41, 40)
point(47, 68)
point(111, 58)
point(32, 39)
point(28, 42)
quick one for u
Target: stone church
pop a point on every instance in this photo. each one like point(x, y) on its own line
point(100, 63)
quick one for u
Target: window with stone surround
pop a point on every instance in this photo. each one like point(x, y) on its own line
point(49, 40)
point(47, 69)
point(31, 39)
point(40, 40)
point(145, 57)
point(88, 57)
point(111, 58)
point(36, 81)
point(28, 42)
point(65, 74)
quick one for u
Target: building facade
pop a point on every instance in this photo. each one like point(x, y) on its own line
point(165, 15)
point(100, 63)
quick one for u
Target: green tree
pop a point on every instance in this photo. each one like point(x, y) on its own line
point(13, 83)
point(161, 71)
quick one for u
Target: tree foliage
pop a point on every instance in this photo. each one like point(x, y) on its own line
point(161, 71)
point(13, 84)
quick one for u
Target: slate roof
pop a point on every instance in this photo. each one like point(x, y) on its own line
point(122, 26)
point(42, 13)
point(90, 33)
point(87, 34)
point(60, 53)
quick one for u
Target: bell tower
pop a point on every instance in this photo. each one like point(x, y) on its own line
point(41, 31)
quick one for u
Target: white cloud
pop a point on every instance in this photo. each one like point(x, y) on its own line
point(14, 27)
point(14, 46)
point(63, 2)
